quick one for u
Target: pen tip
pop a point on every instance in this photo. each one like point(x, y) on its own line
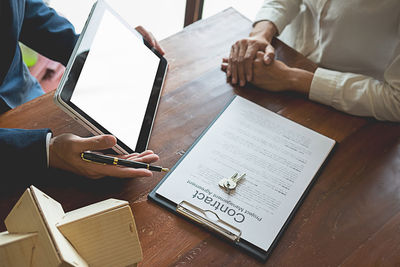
point(165, 169)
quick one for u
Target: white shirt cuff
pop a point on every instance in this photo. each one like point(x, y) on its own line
point(48, 137)
point(274, 16)
point(323, 86)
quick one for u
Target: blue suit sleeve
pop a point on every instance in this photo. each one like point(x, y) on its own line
point(47, 32)
point(23, 151)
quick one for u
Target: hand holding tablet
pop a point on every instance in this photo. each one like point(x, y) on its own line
point(113, 68)
point(149, 37)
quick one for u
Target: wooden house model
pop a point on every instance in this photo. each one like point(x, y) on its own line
point(39, 233)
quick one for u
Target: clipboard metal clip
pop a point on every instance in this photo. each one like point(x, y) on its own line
point(210, 220)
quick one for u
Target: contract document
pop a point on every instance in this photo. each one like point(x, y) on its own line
point(279, 158)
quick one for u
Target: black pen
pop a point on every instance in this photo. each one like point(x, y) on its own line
point(104, 159)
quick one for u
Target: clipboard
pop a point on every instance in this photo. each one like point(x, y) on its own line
point(185, 210)
point(210, 220)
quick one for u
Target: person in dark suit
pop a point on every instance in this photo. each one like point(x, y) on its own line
point(36, 25)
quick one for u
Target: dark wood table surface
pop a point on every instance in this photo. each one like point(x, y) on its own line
point(351, 216)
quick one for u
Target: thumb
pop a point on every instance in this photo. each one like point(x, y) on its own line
point(99, 142)
point(269, 54)
point(260, 56)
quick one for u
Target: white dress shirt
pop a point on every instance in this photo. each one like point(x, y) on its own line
point(356, 44)
point(48, 138)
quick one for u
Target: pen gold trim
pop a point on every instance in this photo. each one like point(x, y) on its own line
point(91, 161)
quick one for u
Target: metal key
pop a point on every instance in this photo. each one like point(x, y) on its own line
point(223, 182)
point(231, 183)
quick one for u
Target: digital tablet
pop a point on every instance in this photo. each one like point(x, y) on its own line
point(113, 80)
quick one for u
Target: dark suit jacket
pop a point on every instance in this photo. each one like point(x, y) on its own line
point(22, 152)
point(41, 28)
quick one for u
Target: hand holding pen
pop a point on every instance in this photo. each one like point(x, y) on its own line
point(65, 153)
point(113, 160)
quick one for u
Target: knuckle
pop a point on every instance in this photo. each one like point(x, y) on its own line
point(93, 174)
point(74, 146)
point(243, 42)
point(247, 57)
point(252, 42)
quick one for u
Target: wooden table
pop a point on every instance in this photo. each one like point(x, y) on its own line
point(350, 217)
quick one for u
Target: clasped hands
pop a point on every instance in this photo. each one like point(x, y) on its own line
point(252, 60)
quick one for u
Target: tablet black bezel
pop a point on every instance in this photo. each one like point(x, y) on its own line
point(75, 67)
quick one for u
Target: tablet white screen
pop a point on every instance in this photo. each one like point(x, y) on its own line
point(116, 80)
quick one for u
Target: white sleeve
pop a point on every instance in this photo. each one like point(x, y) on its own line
point(280, 12)
point(358, 94)
point(48, 137)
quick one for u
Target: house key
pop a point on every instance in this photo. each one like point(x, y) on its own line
point(222, 182)
point(230, 184)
